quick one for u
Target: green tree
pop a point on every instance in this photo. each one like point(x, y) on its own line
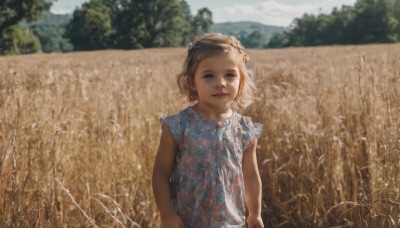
point(50, 37)
point(11, 13)
point(278, 40)
point(90, 27)
point(16, 40)
point(131, 24)
point(303, 31)
point(396, 15)
point(368, 21)
point(186, 28)
point(157, 23)
point(338, 31)
point(149, 23)
point(49, 29)
point(254, 40)
point(120, 23)
point(373, 22)
point(141, 24)
point(202, 22)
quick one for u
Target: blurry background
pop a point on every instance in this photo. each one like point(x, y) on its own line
point(64, 26)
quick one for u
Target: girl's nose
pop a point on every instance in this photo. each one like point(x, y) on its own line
point(221, 83)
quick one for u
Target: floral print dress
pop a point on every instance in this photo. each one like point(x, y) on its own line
point(207, 187)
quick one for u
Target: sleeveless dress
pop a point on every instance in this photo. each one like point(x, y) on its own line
point(207, 187)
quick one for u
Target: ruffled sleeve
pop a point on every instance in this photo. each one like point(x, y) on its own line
point(174, 123)
point(250, 131)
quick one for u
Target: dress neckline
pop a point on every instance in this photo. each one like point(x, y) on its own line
point(218, 124)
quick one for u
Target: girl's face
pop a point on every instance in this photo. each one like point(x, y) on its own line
point(217, 80)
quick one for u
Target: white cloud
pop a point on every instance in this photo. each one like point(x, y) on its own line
point(271, 12)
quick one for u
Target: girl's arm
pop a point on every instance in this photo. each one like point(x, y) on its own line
point(252, 185)
point(161, 179)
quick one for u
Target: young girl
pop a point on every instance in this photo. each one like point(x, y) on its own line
point(206, 167)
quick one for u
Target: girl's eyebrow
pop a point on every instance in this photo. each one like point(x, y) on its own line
point(235, 69)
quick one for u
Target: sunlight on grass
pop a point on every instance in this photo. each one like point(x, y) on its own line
point(79, 134)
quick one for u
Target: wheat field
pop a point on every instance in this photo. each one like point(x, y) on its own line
point(79, 132)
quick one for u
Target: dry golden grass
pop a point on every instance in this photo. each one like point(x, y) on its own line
point(79, 131)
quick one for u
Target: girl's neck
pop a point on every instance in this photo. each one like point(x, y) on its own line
point(212, 113)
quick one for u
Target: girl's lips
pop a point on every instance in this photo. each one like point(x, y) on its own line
point(220, 94)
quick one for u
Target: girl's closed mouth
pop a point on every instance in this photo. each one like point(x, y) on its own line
point(220, 94)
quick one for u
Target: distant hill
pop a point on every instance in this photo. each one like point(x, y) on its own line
point(54, 19)
point(244, 28)
point(51, 19)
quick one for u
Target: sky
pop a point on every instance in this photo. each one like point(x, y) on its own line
point(268, 12)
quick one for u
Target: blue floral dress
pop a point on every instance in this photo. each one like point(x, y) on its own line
point(207, 187)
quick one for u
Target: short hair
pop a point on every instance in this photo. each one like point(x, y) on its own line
point(212, 44)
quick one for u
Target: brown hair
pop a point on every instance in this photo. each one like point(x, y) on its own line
point(209, 45)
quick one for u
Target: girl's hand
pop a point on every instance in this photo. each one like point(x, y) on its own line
point(172, 221)
point(254, 221)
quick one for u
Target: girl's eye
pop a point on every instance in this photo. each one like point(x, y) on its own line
point(208, 76)
point(230, 75)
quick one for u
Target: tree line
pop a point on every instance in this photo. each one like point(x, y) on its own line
point(368, 21)
point(127, 24)
point(104, 24)
point(132, 24)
